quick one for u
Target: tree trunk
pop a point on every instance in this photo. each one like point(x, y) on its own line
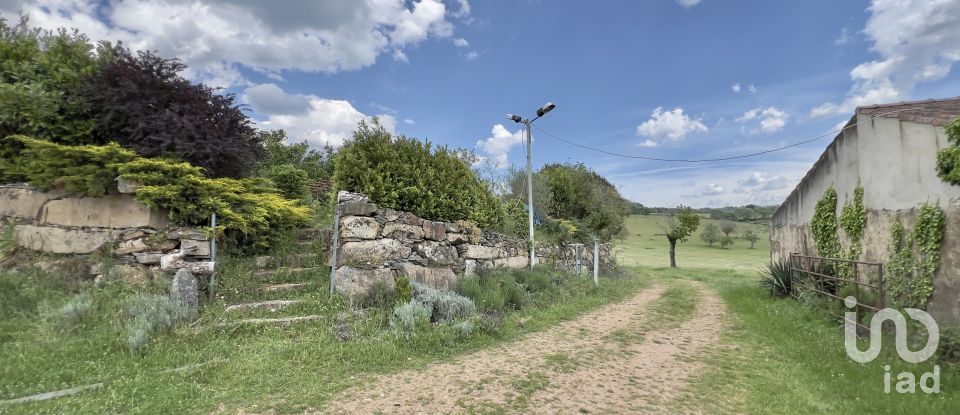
point(673, 253)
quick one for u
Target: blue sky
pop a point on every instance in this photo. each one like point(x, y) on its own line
point(660, 78)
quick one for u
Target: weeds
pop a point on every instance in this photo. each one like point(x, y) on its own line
point(444, 305)
point(410, 318)
point(70, 314)
point(148, 314)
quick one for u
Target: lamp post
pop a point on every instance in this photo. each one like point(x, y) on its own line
point(517, 119)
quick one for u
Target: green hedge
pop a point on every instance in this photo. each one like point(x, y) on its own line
point(410, 175)
point(250, 211)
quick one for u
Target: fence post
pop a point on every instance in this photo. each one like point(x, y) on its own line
point(596, 262)
point(213, 255)
point(335, 246)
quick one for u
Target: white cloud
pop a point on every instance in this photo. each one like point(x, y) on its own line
point(672, 124)
point(471, 55)
point(711, 189)
point(768, 120)
point(752, 89)
point(319, 121)
point(399, 56)
point(271, 99)
point(648, 143)
point(461, 43)
point(735, 87)
point(761, 182)
point(213, 38)
point(844, 37)
point(500, 142)
point(688, 3)
point(917, 41)
point(409, 121)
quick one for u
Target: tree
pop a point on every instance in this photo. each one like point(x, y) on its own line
point(751, 236)
point(141, 102)
point(746, 213)
point(677, 227)
point(728, 227)
point(725, 242)
point(948, 158)
point(40, 76)
point(710, 234)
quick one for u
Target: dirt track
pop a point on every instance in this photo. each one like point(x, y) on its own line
point(614, 360)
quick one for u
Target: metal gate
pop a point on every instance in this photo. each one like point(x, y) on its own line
point(862, 274)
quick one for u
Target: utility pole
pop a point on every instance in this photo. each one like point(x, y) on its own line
point(527, 122)
point(533, 256)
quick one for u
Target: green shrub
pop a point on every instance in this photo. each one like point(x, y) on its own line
point(380, 295)
point(40, 76)
point(949, 350)
point(776, 279)
point(444, 305)
point(490, 322)
point(496, 290)
point(251, 212)
point(411, 175)
point(149, 314)
point(948, 158)
point(70, 314)
point(410, 318)
point(290, 180)
point(404, 288)
point(464, 328)
point(539, 279)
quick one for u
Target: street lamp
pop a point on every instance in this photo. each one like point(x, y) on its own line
point(517, 119)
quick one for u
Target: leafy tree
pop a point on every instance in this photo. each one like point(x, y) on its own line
point(291, 180)
point(639, 209)
point(710, 234)
point(725, 242)
point(728, 227)
point(751, 236)
point(678, 226)
point(41, 73)
point(407, 174)
point(317, 164)
point(141, 102)
point(746, 213)
point(580, 194)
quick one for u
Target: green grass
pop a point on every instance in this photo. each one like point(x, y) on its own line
point(777, 355)
point(646, 246)
point(281, 369)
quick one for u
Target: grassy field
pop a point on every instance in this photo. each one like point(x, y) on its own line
point(646, 246)
point(778, 355)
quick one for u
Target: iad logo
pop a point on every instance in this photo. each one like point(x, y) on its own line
point(906, 381)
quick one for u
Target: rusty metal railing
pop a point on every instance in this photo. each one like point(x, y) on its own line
point(814, 267)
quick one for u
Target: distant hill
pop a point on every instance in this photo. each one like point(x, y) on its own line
point(746, 213)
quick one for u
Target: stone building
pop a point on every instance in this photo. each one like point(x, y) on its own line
point(891, 151)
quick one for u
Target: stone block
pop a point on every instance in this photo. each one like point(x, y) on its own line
point(389, 214)
point(143, 245)
point(183, 290)
point(408, 218)
point(435, 231)
point(345, 196)
point(436, 277)
point(195, 248)
point(127, 186)
point(359, 227)
point(357, 283)
point(512, 262)
point(471, 251)
point(457, 238)
point(61, 240)
point(437, 252)
point(403, 232)
point(130, 274)
point(371, 254)
point(148, 258)
point(357, 209)
point(24, 202)
point(111, 211)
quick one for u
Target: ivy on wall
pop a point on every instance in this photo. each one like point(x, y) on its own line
point(948, 158)
point(824, 225)
point(915, 258)
point(853, 220)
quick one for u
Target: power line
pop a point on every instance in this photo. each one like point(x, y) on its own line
point(742, 156)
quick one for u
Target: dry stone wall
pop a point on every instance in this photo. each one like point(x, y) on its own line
point(140, 238)
point(378, 244)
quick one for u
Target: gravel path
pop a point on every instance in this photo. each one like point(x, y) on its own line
point(613, 360)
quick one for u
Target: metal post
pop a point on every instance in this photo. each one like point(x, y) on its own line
point(213, 254)
point(334, 249)
point(596, 262)
point(533, 257)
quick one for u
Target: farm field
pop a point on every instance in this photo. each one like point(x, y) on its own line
point(646, 246)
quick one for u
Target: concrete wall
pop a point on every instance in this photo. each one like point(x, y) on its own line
point(378, 244)
point(894, 161)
